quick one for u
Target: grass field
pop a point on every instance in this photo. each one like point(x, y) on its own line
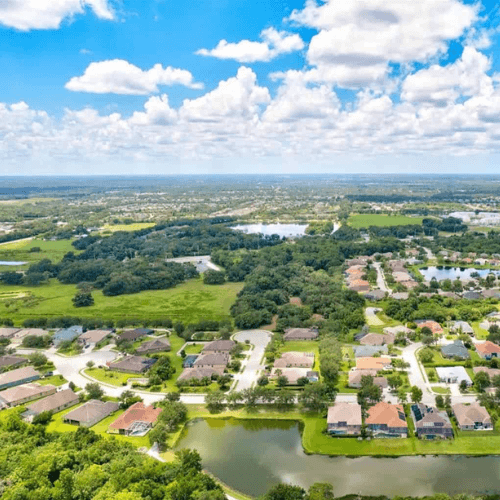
point(189, 302)
point(127, 227)
point(56, 380)
point(109, 376)
point(367, 220)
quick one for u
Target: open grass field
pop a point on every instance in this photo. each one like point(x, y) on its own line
point(189, 302)
point(367, 220)
point(127, 227)
point(109, 376)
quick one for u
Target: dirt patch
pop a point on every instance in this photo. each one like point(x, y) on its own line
point(273, 324)
point(296, 301)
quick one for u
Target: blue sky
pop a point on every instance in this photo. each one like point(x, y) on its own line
point(105, 86)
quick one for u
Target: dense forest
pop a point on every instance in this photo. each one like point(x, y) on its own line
point(476, 242)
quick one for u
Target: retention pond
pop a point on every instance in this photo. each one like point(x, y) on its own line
point(253, 455)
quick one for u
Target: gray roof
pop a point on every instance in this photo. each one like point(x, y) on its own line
point(367, 351)
point(199, 373)
point(70, 333)
point(462, 326)
point(154, 345)
point(95, 336)
point(6, 361)
point(25, 391)
point(53, 402)
point(301, 333)
point(135, 334)
point(216, 359)
point(458, 372)
point(219, 345)
point(18, 375)
point(92, 410)
point(456, 349)
point(137, 364)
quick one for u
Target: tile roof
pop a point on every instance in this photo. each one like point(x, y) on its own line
point(199, 373)
point(18, 375)
point(92, 410)
point(11, 361)
point(53, 402)
point(487, 348)
point(26, 391)
point(219, 345)
point(372, 363)
point(215, 359)
point(95, 336)
point(385, 413)
point(344, 412)
point(138, 412)
point(136, 364)
point(468, 415)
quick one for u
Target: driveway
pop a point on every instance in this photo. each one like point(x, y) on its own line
point(254, 364)
point(381, 283)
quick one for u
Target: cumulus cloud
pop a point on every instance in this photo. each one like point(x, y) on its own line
point(274, 44)
point(26, 15)
point(120, 77)
point(357, 39)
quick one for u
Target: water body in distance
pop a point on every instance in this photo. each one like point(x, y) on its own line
point(252, 456)
point(452, 273)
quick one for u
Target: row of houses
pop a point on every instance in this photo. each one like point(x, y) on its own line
point(385, 420)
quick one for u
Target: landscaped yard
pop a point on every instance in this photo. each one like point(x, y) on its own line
point(194, 348)
point(56, 380)
point(189, 302)
point(303, 346)
point(109, 376)
point(380, 220)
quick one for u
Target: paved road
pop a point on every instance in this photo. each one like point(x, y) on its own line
point(259, 339)
point(381, 283)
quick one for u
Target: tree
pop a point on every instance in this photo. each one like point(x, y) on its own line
point(215, 401)
point(395, 382)
point(83, 299)
point(447, 401)
point(90, 364)
point(282, 381)
point(262, 381)
point(402, 396)
point(481, 381)
point(38, 359)
point(94, 390)
point(463, 386)
point(426, 355)
point(320, 491)
point(427, 339)
point(233, 399)
point(173, 396)
point(439, 401)
point(158, 434)
point(416, 394)
point(11, 278)
point(285, 492)
point(284, 398)
point(313, 397)
point(212, 277)
point(224, 380)
point(42, 418)
point(162, 370)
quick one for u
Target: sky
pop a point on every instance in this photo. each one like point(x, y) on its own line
point(249, 86)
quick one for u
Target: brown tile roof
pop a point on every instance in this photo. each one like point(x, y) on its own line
point(138, 412)
point(216, 359)
point(377, 339)
point(345, 412)
point(199, 373)
point(487, 348)
point(11, 361)
point(219, 346)
point(434, 326)
point(468, 415)
point(53, 402)
point(136, 364)
point(301, 333)
point(372, 363)
point(18, 375)
point(385, 413)
point(154, 345)
point(26, 391)
point(92, 410)
point(492, 372)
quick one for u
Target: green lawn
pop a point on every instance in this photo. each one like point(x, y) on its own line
point(194, 349)
point(303, 346)
point(367, 220)
point(109, 376)
point(56, 380)
point(440, 390)
point(189, 302)
point(136, 226)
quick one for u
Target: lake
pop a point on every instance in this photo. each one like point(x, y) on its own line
point(452, 273)
point(11, 263)
point(253, 455)
point(287, 230)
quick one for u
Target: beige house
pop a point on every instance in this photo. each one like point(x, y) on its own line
point(472, 417)
point(356, 376)
point(25, 393)
point(55, 403)
point(344, 419)
point(294, 359)
point(219, 347)
point(212, 360)
point(377, 339)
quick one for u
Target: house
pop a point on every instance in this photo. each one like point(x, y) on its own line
point(359, 286)
point(133, 335)
point(456, 349)
point(24, 393)
point(132, 364)
point(189, 360)
point(219, 347)
point(356, 376)
point(55, 403)
point(10, 361)
point(493, 293)
point(156, 345)
point(450, 295)
point(395, 330)
point(301, 334)
point(471, 295)
point(93, 337)
point(292, 374)
point(377, 364)
point(8, 332)
point(90, 413)
point(136, 421)
point(472, 417)
point(18, 377)
point(433, 326)
point(453, 375)
point(410, 284)
point(367, 351)
point(461, 327)
point(220, 360)
point(492, 372)
point(488, 350)
point(377, 339)
point(400, 296)
point(375, 295)
point(344, 419)
point(400, 277)
point(294, 359)
point(199, 373)
point(431, 423)
point(387, 420)
point(67, 334)
point(31, 332)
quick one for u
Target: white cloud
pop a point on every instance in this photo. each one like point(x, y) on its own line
point(274, 44)
point(440, 85)
point(157, 112)
point(358, 38)
point(120, 77)
point(239, 96)
point(26, 15)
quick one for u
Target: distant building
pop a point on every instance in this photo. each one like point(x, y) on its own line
point(10, 361)
point(8, 332)
point(488, 350)
point(456, 349)
point(367, 351)
point(431, 423)
point(93, 337)
point(136, 421)
point(387, 420)
point(199, 373)
point(219, 347)
point(461, 327)
point(294, 359)
point(377, 339)
point(67, 334)
point(220, 360)
point(377, 364)
point(433, 326)
point(356, 377)
point(156, 345)
point(453, 375)
point(133, 335)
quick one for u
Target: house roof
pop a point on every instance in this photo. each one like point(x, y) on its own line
point(428, 416)
point(345, 412)
point(138, 412)
point(292, 374)
point(385, 413)
point(31, 332)
point(400, 296)
point(137, 364)
point(372, 363)
point(296, 358)
point(219, 345)
point(355, 377)
point(199, 373)
point(67, 334)
point(492, 372)
point(434, 326)
point(135, 334)
point(375, 294)
point(11, 361)
point(25, 391)
point(215, 359)
point(487, 348)
point(18, 375)
point(457, 372)
point(377, 339)
point(161, 343)
point(472, 295)
point(95, 336)
point(8, 332)
point(394, 330)
point(462, 325)
point(301, 333)
point(53, 402)
point(456, 348)
point(367, 351)
point(92, 410)
point(468, 415)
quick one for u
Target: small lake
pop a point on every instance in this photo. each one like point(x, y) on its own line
point(254, 455)
point(452, 273)
point(286, 230)
point(11, 263)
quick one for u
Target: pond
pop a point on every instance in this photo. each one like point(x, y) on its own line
point(287, 230)
point(452, 273)
point(253, 455)
point(11, 263)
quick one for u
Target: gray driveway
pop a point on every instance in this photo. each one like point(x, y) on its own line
point(254, 364)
